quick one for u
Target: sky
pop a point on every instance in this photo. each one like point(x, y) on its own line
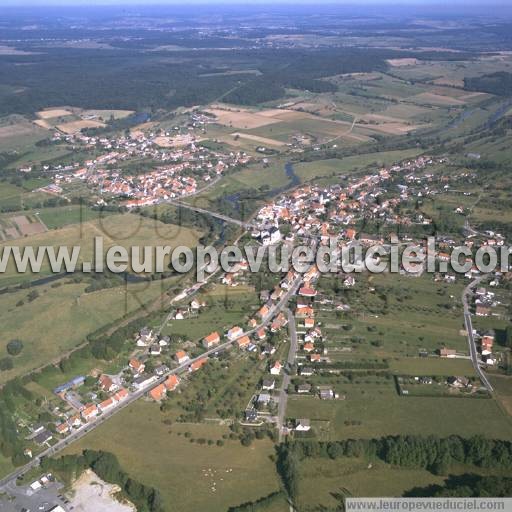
point(245, 2)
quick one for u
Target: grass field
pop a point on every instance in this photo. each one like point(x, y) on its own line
point(5, 465)
point(17, 133)
point(394, 320)
point(74, 214)
point(381, 411)
point(256, 177)
point(190, 476)
point(322, 481)
point(503, 386)
point(10, 196)
point(43, 324)
point(225, 307)
point(431, 366)
point(127, 230)
point(13, 197)
point(310, 170)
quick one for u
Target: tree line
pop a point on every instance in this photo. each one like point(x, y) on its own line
point(107, 467)
point(432, 453)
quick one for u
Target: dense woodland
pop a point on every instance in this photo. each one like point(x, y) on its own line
point(499, 83)
point(432, 453)
point(130, 79)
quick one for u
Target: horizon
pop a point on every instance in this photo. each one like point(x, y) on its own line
point(249, 3)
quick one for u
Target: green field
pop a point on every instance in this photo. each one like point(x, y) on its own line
point(74, 214)
point(18, 133)
point(381, 411)
point(391, 315)
point(316, 169)
point(322, 481)
point(127, 230)
point(60, 318)
point(225, 307)
point(422, 366)
point(185, 473)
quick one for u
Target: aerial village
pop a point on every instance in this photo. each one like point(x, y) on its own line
point(159, 366)
point(142, 168)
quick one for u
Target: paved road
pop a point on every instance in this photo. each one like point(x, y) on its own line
point(283, 392)
point(473, 352)
point(225, 218)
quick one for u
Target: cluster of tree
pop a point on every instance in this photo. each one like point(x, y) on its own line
point(417, 451)
point(499, 83)
point(107, 467)
point(103, 280)
point(354, 365)
point(11, 446)
point(14, 347)
point(260, 504)
point(466, 486)
point(6, 364)
point(432, 453)
point(507, 337)
point(146, 82)
point(106, 347)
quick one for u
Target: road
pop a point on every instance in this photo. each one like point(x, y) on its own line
point(24, 498)
point(99, 420)
point(283, 391)
point(225, 218)
point(473, 352)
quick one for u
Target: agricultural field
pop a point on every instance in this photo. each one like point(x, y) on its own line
point(19, 226)
point(190, 476)
point(391, 314)
point(325, 168)
point(127, 230)
point(389, 327)
point(60, 216)
point(70, 120)
point(275, 127)
point(18, 133)
point(77, 126)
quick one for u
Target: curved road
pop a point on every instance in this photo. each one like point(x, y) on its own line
point(473, 352)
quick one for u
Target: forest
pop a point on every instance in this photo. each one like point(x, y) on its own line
point(431, 453)
point(499, 83)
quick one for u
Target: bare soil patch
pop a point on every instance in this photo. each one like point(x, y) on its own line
point(256, 138)
point(92, 493)
point(241, 118)
point(76, 126)
point(55, 112)
point(397, 63)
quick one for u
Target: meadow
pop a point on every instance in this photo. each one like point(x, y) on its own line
point(322, 481)
point(311, 170)
point(392, 317)
point(127, 230)
point(375, 410)
point(189, 475)
point(43, 323)
point(225, 307)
